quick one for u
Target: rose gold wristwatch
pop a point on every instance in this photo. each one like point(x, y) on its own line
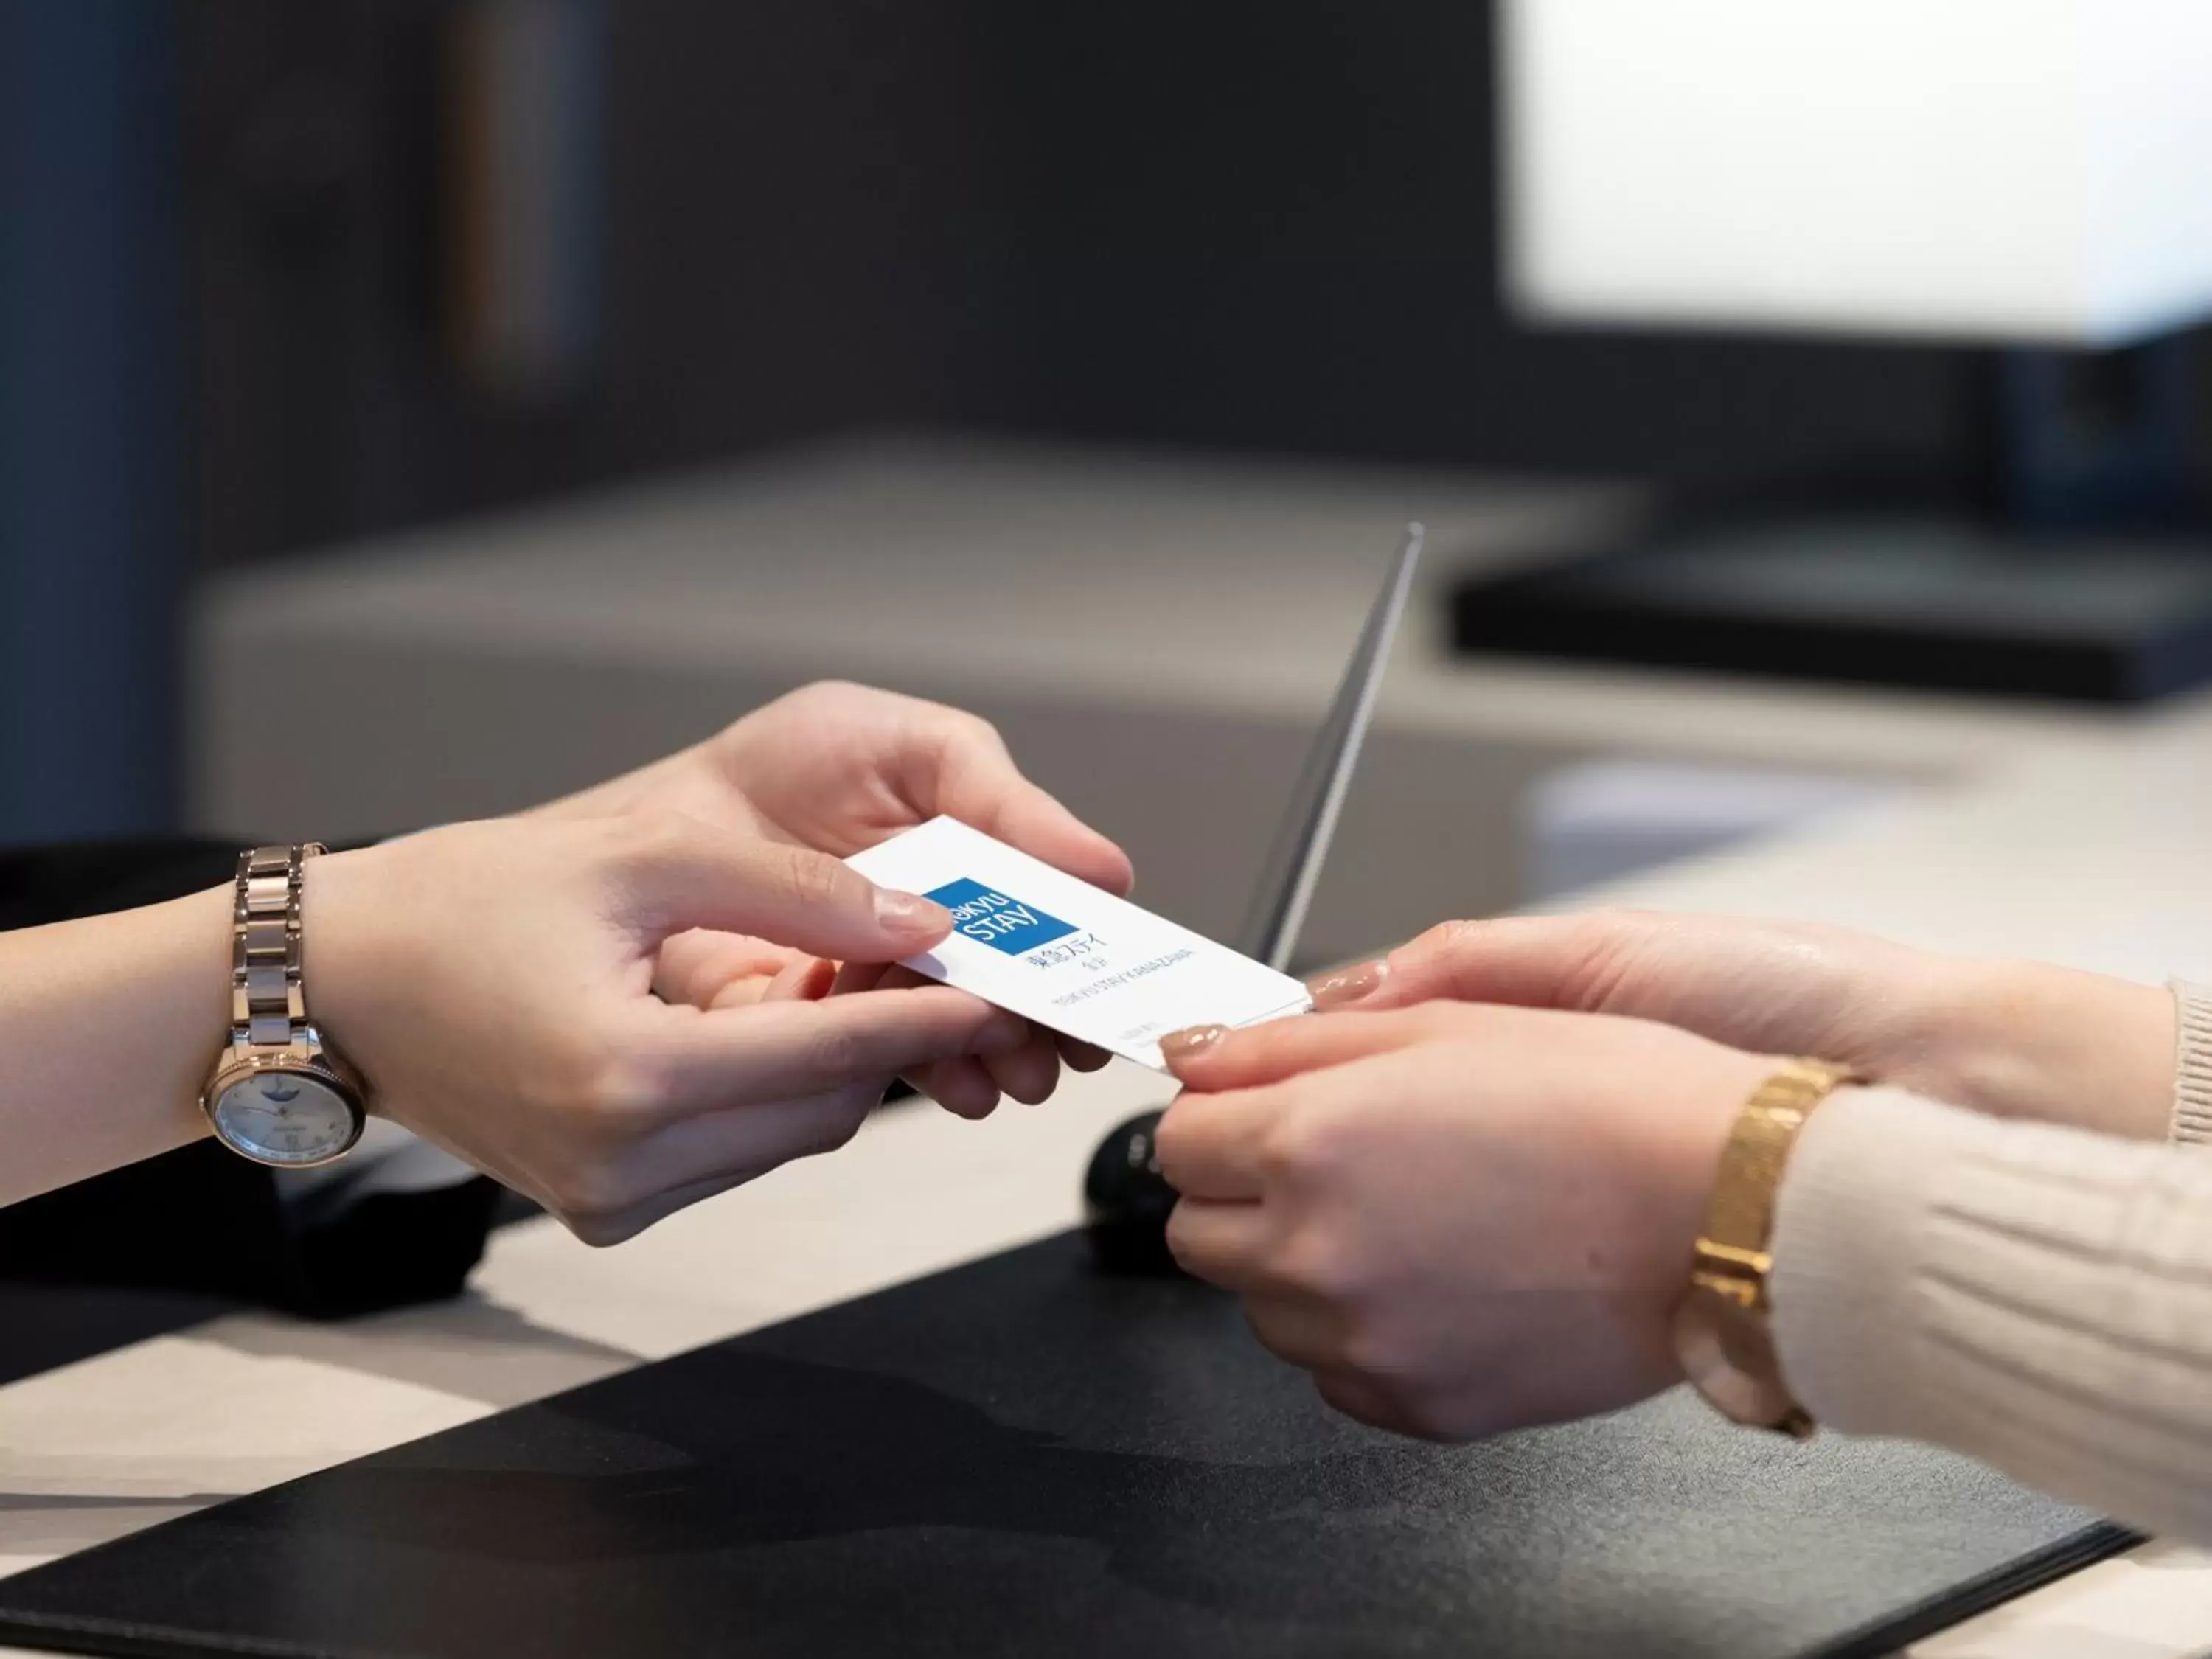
point(1722, 1334)
point(278, 1094)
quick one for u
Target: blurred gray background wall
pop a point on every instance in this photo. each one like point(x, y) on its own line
point(1236, 226)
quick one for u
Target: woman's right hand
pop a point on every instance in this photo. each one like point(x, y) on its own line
point(2017, 1039)
point(494, 983)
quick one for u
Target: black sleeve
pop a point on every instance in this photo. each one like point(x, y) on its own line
point(199, 1218)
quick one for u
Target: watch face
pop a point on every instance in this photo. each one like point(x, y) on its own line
point(285, 1117)
point(1727, 1354)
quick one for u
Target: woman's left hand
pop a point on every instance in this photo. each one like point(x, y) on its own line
point(837, 768)
point(1461, 1218)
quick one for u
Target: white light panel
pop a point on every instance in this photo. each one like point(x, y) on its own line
point(2020, 170)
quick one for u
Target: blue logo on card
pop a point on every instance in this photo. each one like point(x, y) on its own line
point(992, 916)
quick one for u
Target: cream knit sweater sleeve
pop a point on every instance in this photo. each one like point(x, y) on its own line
point(2192, 1066)
point(2037, 1297)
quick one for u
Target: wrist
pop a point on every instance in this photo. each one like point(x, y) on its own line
point(1723, 1335)
point(181, 948)
point(279, 1093)
point(347, 903)
point(1701, 1125)
point(2032, 1040)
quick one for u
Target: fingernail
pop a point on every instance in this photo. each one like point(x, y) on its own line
point(1178, 1045)
point(1346, 986)
point(910, 913)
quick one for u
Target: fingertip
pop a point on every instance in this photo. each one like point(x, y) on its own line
point(1028, 1086)
point(1110, 867)
point(1081, 1056)
point(962, 1087)
point(1186, 1051)
point(1003, 1034)
point(1348, 987)
point(803, 981)
point(808, 981)
point(916, 922)
point(1055, 835)
point(1030, 1073)
point(1440, 939)
point(1113, 871)
point(1218, 1059)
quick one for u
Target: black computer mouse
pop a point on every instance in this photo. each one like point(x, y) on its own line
point(1126, 1200)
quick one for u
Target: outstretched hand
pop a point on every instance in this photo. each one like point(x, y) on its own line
point(494, 982)
point(836, 767)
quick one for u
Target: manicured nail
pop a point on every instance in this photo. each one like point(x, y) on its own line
point(1178, 1045)
point(910, 913)
point(1346, 986)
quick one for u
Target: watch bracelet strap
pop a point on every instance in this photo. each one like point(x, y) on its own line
point(268, 995)
point(1735, 1251)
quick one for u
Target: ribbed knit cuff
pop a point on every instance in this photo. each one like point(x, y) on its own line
point(2034, 1296)
point(1849, 1247)
point(2192, 1064)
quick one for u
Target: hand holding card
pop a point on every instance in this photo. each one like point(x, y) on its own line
point(1070, 957)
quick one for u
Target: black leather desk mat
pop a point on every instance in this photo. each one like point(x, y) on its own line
point(1024, 1457)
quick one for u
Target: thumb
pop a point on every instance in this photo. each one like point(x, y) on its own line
point(681, 874)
